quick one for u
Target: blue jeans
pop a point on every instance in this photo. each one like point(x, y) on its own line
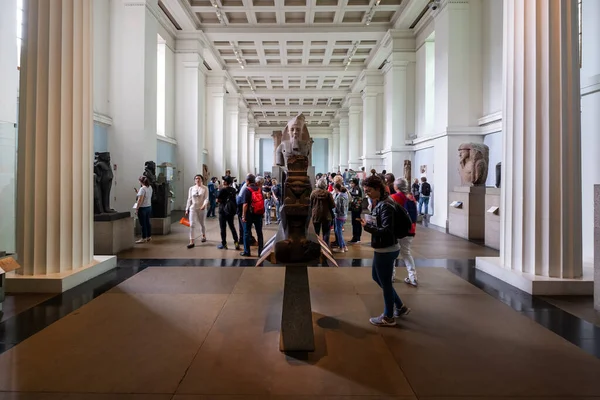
point(339, 235)
point(144, 217)
point(277, 205)
point(211, 208)
point(255, 220)
point(424, 200)
point(383, 268)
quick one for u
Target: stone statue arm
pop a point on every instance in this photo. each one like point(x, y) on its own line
point(478, 172)
point(280, 159)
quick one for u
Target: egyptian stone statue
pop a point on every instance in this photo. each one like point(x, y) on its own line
point(407, 170)
point(498, 174)
point(295, 141)
point(104, 177)
point(473, 163)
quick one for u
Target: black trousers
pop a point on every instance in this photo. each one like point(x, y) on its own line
point(356, 226)
point(225, 220)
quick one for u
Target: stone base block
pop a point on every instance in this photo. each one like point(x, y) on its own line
point(492, 218)
point(538, 285)
point(467, 220)
point(160, 226)
point(111, 237)
point(597, 247)
point(59, 282)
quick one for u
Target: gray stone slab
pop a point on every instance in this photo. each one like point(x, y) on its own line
point(296, 318)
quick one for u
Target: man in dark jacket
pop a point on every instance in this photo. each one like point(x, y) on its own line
point(227, 212)
point(321, 202)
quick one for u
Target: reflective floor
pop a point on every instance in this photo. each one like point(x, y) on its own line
point(207, 327)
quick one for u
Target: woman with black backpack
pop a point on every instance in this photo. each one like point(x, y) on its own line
point(227, 212)
point(380, 224)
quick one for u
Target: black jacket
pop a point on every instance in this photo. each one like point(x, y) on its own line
point(382, 234)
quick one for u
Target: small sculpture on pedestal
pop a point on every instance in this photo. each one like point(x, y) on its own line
point(160, 198)
point(407, 170)
point(473, 163)
point(103, 177)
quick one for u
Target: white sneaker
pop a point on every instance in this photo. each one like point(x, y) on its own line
point(411, 282)
point(140, 241)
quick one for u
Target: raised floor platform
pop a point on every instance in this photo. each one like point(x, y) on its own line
point(538, 285)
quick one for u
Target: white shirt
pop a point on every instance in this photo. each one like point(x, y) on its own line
point(147, 193)
point(197, 198)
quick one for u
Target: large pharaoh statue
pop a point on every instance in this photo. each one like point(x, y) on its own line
point(294, 244)
point(473, 163)
point(103, 177)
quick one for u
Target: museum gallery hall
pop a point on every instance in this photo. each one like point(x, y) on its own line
point(123, 121)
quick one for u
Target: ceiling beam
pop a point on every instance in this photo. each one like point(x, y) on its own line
point(303, 32)
point(285, 119)
point(410, 11)
point(286, 71)
point(292, 108)
point(296, 93)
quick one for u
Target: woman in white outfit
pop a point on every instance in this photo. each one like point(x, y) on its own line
point(195, 207)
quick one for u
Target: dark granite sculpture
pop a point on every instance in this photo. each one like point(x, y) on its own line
point(160, 192)
point(408, 170)
point(296, 245)
point(498, 174)
point(103, 177)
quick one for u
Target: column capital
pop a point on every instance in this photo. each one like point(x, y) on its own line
point(189, 46)
point(353, 100)
point(342, 114)
point(233, 101)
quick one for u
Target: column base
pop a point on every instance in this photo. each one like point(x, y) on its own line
point(535, 284)
point(59, 282)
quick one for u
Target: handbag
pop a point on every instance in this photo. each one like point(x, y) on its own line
point(184, 221)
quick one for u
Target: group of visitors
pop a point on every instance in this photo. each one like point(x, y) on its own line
point(372, 203)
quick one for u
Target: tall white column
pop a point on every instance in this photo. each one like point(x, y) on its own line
point(190, 95)
point(243, 150)
point(8, 119)
point(344, 138)
point(55, 191)
point(232, 125)
point(133, 93)
point(399, 108)
point(215, 122)
point(355, 130)
point(335, 151)
point(372, 134)
point(251, 149)
point(540, 215)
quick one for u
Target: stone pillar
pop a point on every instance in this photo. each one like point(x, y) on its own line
point(399, 113)
point(344, 136)
point(133, 88)
point(55, 160)
point(8, 120)
point(277, 136)
point(215, 123)
point(251, 150)
point(335, 161)
point(541, 218)
point(232, 124)
point(243, 150)
point(355, 130)
point(372, 133)
point(190, 94)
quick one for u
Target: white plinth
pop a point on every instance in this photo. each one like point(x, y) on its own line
point(59, 282)
point(159, 226)
point(535, 284)
point(597, 247)
point(492, 218)
point(468, 219)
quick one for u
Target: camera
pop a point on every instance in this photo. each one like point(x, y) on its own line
point(434, 4)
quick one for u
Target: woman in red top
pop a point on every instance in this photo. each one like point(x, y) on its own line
point(404, 197)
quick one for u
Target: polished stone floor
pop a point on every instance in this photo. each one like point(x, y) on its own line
point(201, 333)
point(173, 323)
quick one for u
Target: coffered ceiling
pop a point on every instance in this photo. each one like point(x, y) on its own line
point(290, 56)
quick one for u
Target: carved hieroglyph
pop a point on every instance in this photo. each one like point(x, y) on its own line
point(473, 163)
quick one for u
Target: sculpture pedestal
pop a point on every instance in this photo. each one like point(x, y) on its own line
point(112, 233)
point(296, 317)
point(492, 218)
point(467, 212)
point(597, 247)
point(160, 226)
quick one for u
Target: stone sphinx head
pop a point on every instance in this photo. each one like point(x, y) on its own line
point(295, 127)
point(473, 163)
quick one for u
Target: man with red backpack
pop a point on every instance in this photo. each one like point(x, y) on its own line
point(252, 214)
point(405, 198)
